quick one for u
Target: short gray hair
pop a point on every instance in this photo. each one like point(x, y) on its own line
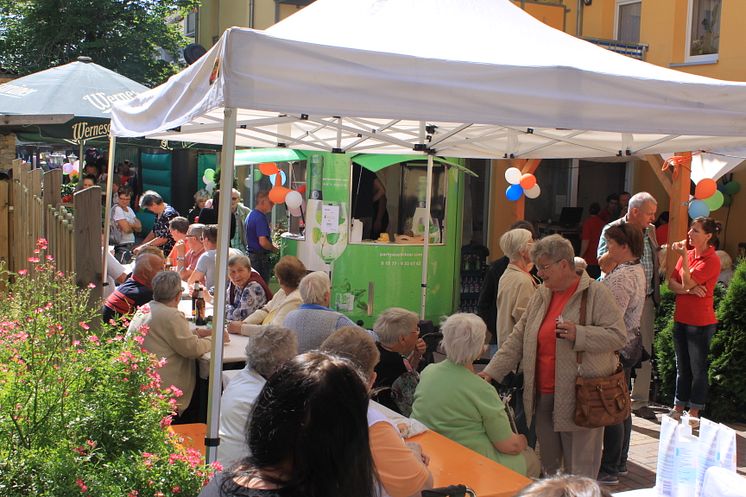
point(149, 198)
point(269, 348)
point(166, 286)
point(239, 259)
point(639, 199)
point(314, 286)
point(463, 337)
point(515, 241)
point(555, 248)
point(393, 323)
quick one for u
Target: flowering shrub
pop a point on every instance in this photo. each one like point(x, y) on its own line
point(82, 411)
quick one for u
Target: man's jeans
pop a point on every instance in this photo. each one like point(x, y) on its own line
point(692, 343)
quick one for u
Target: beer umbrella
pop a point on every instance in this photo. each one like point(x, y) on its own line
point(70, 103)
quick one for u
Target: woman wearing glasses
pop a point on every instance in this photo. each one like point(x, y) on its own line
point(545, 342)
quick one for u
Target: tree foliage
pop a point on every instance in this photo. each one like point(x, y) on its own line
point(130, 37)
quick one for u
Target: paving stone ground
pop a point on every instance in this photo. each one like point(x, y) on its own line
point(643, 452)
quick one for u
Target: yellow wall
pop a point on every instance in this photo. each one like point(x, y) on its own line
point(215, 16)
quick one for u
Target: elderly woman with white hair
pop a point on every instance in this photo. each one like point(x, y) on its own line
point(546, 341)
point(516, 285)
point(453, 401)
point(313, 321)
point(268, 348)
point(401, 350)
point(167, 335)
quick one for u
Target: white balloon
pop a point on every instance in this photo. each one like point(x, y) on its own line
point(295, 211)
point(67, 168)
point(293, 199)
point(248, 182)
point(513, 175)
point(533, 192)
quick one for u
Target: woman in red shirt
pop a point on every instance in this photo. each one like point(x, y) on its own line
point(694, 281)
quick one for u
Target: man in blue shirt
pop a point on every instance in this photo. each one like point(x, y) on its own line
point(259, 236)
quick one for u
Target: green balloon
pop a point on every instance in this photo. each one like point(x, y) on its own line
point(715, 201)
point(732, 187)
point(257, 175)
point(209, 174)
point(727, 200)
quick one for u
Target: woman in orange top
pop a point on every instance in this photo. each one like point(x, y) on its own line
point(694, 281)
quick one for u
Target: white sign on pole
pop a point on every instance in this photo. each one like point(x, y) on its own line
point(330, 219)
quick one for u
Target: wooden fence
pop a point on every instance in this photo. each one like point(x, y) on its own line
point(31, 208)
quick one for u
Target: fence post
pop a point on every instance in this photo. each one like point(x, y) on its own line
point(87, 241)
point(5, 222)
point(51, 192)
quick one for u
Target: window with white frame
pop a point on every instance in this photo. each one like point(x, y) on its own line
point(190, 24)
point(627, 25)
point(703, 31)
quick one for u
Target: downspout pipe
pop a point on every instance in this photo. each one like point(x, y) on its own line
point(579, 19)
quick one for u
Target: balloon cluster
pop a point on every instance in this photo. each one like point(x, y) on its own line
point(208, 178)
point(71, 168)
point(279, 194)
point(521, 184)
point(709, 196)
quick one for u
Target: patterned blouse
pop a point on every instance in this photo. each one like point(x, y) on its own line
point(243, 301)
point(160, 228)
point(627, 285)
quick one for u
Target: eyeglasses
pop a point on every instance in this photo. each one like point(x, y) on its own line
point(235, 198)
point(544, 267)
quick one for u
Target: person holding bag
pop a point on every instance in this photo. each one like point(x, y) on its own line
point(627, 283)
point(546, 341)
point(693, 281)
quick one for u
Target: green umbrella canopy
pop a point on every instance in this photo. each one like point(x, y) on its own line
point(376, 162)
point(82, 89)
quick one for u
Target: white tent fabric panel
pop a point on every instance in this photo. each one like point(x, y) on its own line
point(501, 84)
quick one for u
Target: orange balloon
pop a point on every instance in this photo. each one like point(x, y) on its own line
point(705, 188)
point(528, 181)
point(269, 168)
point(278, 194)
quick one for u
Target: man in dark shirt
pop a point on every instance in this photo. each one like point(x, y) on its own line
point(135, 291)
point(259, 236)
point(401, 349)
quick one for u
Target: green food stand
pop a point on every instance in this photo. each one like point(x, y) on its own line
point(369, 276)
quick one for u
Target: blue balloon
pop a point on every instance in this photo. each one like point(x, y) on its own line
point(514, 192)
point(698, 208)
point(282, 177)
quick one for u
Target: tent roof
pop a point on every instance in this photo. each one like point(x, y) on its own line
point(463, 78)
point(80, 88)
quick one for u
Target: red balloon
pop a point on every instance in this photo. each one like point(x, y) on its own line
point(706, 188)
point(277, 194)
point(301, 189)
point(269, 168)
point(528, 181)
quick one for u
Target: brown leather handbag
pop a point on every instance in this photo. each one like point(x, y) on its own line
point(600, 401)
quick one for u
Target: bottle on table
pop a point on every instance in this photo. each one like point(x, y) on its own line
point(198, 305)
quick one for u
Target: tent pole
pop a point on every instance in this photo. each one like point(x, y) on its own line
point(107, 201)
point(426, 241)
point(221, 271)
point(678, 208)
point(81, 145)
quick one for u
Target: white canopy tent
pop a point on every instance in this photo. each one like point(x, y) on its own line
point(461, 78)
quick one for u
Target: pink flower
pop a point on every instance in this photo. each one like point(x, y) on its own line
point(93, 338)
point(217, 466)
point(166, 421)
point(91, 285)
point(33, 259)
point(175, 489)
point(84, 325)
point(81, 484)
point(22, 272)
point(133, 493)
point(175, 391)
point(50, 258)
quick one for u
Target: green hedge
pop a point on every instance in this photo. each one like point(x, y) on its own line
point(727, 396)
